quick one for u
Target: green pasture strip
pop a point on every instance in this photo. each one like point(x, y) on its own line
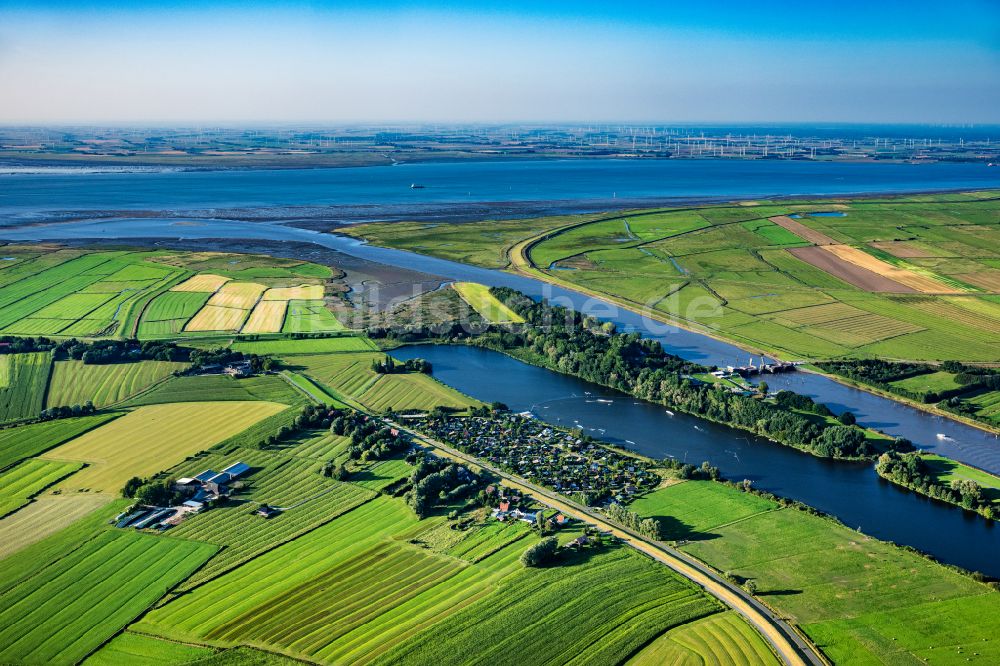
point(276, 572)
point(24, 396)
point(25, 297)
point(690, 510)
point(74, 382)
point(945, 471)
point(173, 305)
point(587, 604)
point(381, 474)
point(309, 316)
point(332, 345)
point(26, 441)
point(141, 650)
point(931, 382)
point(723, 638)
point(413, 391)
point(313, 390)
point(773, 234)
point(22, 482)
point(200, 388)
point(44, 516)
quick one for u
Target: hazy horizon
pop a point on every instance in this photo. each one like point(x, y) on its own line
point(366, 63)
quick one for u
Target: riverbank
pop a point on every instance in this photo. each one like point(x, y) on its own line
point(943, 480)
point(916, 404)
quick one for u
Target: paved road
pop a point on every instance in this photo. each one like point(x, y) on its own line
point(793, 649)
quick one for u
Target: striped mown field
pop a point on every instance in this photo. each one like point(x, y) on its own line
point(154, 438)
point(68, 608)
point(74, 383)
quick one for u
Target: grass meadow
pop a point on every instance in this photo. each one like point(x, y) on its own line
point(332, 345)
point(858, 598)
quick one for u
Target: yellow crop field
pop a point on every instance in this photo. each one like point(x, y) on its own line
point(267, 317)
point(212, 318)
point(302, 292)
point(478, 296)
point(153, 438)
point(237, 295)
point(900, 275)
point(202, 282)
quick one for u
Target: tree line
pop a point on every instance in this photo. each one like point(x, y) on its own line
point(911, 470)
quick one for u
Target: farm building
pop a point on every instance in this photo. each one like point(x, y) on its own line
point(267, 511)
point(210, 484)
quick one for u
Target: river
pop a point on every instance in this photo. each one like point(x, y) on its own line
point(851, 491)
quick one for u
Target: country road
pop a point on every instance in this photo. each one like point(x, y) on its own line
point(792, 648)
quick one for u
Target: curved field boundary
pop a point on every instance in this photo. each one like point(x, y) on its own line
point(723, 639)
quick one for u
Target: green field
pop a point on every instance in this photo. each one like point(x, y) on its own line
point(68, 608)
point(372, 587)
point(30, 440)
point(24, 395)
point(167, 313)
point(690, 511)
point(306, 346)
point(944, 471)
point(121, 293)
point(313, 390)
point(861, 600)
point(81, 295)
point(47, 515)
point(727, 270)
point(412, 391)
point(932, 382)
point(987, 406)
point(74, 383)
point(351, 375)
point(381, 474)
point(486, 304)
point(22, 482)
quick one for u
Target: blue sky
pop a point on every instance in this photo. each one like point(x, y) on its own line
point(706, 61)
